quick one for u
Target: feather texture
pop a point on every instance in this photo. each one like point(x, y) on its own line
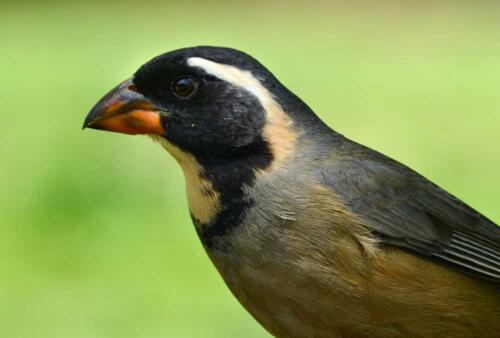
point(406, 210)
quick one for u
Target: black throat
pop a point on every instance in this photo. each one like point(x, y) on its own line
point(229, 177)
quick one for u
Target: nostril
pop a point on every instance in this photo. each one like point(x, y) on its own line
point(132, 87)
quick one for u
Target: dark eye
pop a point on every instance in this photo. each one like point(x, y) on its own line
point(184, 87)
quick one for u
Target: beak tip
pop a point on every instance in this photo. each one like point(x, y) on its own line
point(86, 123)
point(92, 116)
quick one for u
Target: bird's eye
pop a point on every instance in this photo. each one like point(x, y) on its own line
point(184, 87)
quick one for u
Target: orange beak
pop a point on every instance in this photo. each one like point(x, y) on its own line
point(125, 110)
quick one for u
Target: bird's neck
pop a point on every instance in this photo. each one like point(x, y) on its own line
point(230, 178)
point(215, 187)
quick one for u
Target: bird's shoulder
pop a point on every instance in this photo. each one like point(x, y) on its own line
point(406, 210)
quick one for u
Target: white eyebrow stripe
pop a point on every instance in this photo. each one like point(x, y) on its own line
point(278, 130)
point(238, 77)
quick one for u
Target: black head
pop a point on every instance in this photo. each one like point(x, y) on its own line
point(202, 100)
point(204, 113)
point(221, 113)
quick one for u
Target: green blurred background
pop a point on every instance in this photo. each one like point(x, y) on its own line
point(95, 237)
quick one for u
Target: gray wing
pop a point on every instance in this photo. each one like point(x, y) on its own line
point(407, 210)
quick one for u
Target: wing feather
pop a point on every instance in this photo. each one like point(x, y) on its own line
point(407, 210)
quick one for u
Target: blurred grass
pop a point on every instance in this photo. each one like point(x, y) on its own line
point(95, 238)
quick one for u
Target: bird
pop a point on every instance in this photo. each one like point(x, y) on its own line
point(315, 234)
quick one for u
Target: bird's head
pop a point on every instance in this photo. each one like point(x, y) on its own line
point(218, 111)
point(206, 101)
